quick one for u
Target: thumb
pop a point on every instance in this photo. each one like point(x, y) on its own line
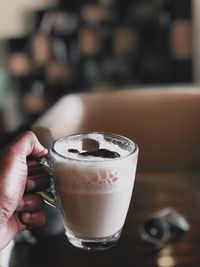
point(27, 144)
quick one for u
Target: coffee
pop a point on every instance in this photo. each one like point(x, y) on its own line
point(94, 187)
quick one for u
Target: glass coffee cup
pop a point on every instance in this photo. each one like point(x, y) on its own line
point(92, 178)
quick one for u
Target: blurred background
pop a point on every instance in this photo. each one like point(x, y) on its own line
point(50, 48)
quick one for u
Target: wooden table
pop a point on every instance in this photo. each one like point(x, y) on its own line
point(153, 191)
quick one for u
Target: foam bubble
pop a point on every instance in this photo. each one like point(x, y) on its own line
point(91, 179)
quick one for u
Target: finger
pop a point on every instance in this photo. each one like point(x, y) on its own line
point(34, 167)
point(38, 177)
point(27, 144)
point(37, 183)
point(36, 218)
point(30, 203)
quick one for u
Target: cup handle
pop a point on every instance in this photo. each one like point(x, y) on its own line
point(50, 193)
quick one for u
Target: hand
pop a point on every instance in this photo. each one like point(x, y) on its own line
point(20, 206)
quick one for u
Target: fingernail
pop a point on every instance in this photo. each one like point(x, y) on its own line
point(45, 150)
point(26, 216)
point(31, 184)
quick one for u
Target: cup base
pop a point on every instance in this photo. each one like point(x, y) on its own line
point(93, 244)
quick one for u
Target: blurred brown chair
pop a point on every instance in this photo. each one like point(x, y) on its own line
point(164, 122)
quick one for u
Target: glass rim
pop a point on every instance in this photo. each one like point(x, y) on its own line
point(134, 150)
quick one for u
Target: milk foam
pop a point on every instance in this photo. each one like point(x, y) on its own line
point(92, 177)
point(77, 173)
point(63, 147)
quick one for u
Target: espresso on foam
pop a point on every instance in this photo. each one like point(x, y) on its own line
point(102, 153)
point(90, 144)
